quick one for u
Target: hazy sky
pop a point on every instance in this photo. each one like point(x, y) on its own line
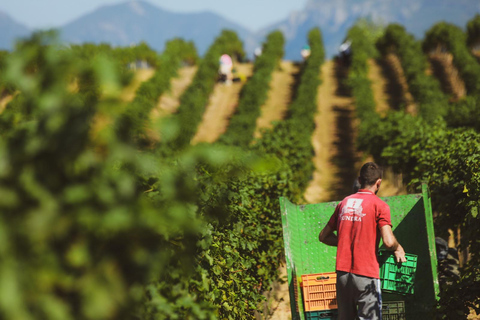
point(252, 14)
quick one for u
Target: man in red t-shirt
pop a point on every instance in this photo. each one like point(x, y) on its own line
point(360, 220)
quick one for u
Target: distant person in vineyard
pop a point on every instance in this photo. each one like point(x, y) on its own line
point(305, 52)
point(258, 52)
point(226, 67)
point(345, 52)
point(360, 220)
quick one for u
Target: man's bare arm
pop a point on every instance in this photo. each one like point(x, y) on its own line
point(328, 237)
point(392, 244)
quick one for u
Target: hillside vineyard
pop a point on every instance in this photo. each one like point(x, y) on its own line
point(115, 207)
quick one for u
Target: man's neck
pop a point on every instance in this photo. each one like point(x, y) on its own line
point(373, 188)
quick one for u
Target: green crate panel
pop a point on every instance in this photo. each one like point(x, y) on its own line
point(315, 256)
point(399, 278)
point(322, 315)
point(412, 225)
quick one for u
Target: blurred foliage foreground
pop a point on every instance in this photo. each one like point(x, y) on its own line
point(91, 227)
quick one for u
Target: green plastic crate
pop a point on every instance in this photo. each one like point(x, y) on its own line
point(393, 310)
point(397, 277)
point(322, 315)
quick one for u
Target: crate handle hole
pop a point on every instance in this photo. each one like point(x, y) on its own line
point(326, 315)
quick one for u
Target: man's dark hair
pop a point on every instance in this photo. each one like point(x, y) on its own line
point(369, 174)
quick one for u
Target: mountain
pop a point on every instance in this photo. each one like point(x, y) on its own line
point(11, 30)
point(135, 21)
point(335, 18)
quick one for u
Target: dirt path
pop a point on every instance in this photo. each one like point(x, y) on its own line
point(222, 104)
point(398, 87)
point(169, 101)
point(279, 96)
point(444, 70)
point(102, 120)
point(476, 53)
point(5, 100)
point(390, 92)
point(278, 300)
point(332, 139)
point(128, 94)
point(379, 86)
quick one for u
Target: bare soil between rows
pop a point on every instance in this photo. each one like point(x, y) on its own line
point(279, 96)
point(169, 101)
point(221, 106)
point(447, 74)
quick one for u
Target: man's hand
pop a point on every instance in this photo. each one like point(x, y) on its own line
point(400, 254)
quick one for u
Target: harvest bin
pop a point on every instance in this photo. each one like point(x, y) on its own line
point(412, 225)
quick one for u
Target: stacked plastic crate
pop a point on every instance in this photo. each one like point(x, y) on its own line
point(320, 290)
point(320, 296)
point(398, 278)
point(393, 310)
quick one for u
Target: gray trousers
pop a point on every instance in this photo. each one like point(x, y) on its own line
point(358, 297)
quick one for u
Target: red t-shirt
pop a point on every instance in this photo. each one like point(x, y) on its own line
point(358, 219)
